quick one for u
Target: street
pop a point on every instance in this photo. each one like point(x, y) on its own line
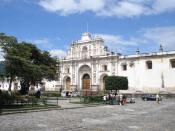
point(141, 116)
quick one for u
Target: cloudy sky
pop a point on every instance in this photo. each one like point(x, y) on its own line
point(124, 24)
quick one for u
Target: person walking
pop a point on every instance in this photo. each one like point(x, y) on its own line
point(124, 99)
point(121, 99)
point(157, 98)
point(104, 99)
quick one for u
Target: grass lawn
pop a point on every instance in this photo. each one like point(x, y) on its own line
point(91, 103)
point(15, 108)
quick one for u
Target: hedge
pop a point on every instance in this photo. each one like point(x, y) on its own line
point(116, 83)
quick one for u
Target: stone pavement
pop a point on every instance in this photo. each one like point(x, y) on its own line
point(141, 116)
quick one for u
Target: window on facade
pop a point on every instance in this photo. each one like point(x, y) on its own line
point(124, 67)
point(84, 48)
point(105, 67)
point(67, 70)
point(131, 64)
point(172, 62)
point(84, 51)
point(149, 65)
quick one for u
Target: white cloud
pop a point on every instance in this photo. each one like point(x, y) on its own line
point(145, 38)
point(45, 43)
point(161, 35)
point(124, 8)
point(57, 53)
point(41, 41)
point(119, 43)
point(49, 44)
point(160, 6)
point(118, 39)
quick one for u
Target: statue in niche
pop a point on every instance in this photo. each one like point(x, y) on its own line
point(73, 77)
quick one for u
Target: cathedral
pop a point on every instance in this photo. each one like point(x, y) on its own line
point(88, 62)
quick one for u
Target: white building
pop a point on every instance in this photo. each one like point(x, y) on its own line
point(88, 63)
point(4, 84)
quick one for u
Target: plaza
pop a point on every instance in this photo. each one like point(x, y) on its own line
point(87, 65)
point(141, 116)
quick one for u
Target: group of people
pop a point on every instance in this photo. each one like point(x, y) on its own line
point(121, 99)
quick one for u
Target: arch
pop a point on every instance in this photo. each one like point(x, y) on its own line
point(102, 81)
point(84, 68)
point(86, 82)
point(84, 48)
point(68, 82)
point(83, 73)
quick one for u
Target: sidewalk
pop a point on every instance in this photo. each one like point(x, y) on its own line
point(66, 104)
point(62, 104)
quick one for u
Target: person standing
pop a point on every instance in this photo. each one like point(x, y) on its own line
point(124, 99)
point(104, 99)
point(157, 98)
point(121, 99)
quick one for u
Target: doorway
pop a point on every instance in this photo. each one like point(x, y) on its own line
point(68, 81)
point(86, 82)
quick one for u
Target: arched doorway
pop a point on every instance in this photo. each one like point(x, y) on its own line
point(102, 81)
point(104, 78)
point(68, 81)
point(84, 74)
point(86, 82)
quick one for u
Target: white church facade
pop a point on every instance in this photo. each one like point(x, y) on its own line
point(88, 62)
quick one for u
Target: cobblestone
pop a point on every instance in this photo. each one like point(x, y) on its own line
point(141, 116)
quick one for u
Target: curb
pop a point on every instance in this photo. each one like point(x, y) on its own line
point(81, 107)
point(40, 110)
point(28, 111)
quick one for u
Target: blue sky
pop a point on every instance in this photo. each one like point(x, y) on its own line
point(124, 24)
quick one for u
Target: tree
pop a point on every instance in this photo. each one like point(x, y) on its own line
point(2, 69)
point(2, 72)
point(7, 43)
point(116, 83)
point(27, 62)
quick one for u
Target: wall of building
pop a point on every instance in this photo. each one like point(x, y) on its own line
point(158, 79)
point(4, 84)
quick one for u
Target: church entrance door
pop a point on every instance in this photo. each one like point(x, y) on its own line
point(86, 82)
point(68, 81)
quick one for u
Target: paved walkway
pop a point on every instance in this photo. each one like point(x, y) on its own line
point(68, 103)
point(141, 116)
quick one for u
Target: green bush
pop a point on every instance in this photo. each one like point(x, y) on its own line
point(52, 94)
point(89, 99)
point(116, 83)
point(6, 98)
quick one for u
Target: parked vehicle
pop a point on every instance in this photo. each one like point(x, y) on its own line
point(130, 100)
point(73, 94)
point(149, 97)
point(67, 93)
